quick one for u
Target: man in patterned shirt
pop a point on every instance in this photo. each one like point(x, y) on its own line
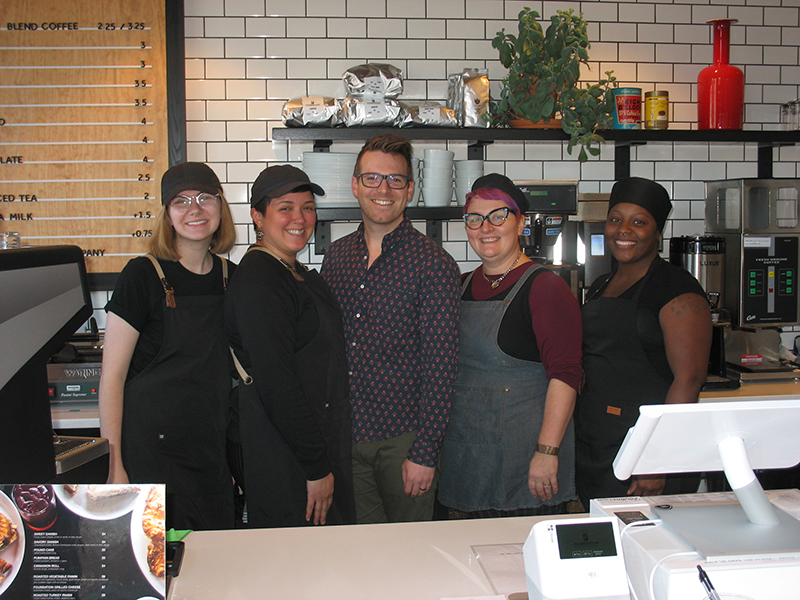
point(399, 292)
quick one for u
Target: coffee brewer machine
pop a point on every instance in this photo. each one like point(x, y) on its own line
point(550, 204)
point(759, 222)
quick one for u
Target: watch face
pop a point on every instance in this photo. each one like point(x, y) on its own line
point(586, 540)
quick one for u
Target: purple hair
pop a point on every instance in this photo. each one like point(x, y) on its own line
point(492, 194)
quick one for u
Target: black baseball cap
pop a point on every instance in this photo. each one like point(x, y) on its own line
point(276, 181)
point(505, 185)
point(188, 176)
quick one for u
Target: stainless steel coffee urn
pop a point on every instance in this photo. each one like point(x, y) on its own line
point(704, 257)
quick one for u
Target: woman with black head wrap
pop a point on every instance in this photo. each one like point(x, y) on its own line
point(646, 340)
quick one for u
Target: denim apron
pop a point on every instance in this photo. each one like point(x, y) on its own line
point(498, 409)
point(175, 414)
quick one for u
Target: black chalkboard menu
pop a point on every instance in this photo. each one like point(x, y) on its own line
point(82, 541)
point(83, 124)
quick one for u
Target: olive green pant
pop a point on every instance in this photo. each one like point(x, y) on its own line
point(378, 483)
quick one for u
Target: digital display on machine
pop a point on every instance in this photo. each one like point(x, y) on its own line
point(597, 245)
point(586, 540)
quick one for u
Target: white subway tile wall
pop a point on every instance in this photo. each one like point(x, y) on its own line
point(245, 58)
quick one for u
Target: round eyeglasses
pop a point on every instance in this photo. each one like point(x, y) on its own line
point(374, 180)
point(182, 203)
point(497, 217)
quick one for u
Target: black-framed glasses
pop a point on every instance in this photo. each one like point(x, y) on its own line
point(374, 180)
point(183, 203)
point(497, 217)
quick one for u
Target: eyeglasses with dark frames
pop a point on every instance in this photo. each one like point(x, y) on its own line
point(497, 217)
point(374, 180)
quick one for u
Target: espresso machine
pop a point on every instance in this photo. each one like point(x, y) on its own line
point(758, 221)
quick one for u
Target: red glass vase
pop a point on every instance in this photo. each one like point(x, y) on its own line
point(720, 87)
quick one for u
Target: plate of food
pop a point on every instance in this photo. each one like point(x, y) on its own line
point(148, 535)
point(12, 542)
point(98, 502)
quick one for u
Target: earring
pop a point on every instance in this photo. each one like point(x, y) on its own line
point(259, 235)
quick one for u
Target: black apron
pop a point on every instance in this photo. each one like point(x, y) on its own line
point(276, 483)
point(175, 415)
point(619, 378)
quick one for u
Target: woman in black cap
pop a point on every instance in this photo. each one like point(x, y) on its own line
point(286, 331)
point(509, 446)
point(166, 380)
point(646, 340)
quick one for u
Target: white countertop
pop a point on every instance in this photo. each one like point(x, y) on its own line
point(398, 561)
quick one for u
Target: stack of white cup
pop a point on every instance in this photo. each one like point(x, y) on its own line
point(467, 171)
point(437, 177)
point(417, 170)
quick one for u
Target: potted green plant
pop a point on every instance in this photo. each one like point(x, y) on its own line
point(543, 79)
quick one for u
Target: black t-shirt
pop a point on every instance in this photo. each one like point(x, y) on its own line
point(139, 299)
point(666, 282)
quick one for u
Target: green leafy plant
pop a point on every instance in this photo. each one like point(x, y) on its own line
point(543, 79)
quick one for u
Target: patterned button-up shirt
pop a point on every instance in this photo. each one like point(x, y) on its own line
point(401, 326)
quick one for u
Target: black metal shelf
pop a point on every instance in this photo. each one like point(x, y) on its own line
point(433, 217)
point(415, 213)
point(478, 139)
point(487, 136)
point(623, 139)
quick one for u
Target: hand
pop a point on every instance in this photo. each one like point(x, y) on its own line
point(648, 485)
point(543, 476)
point(320, 498)
point(417, 479)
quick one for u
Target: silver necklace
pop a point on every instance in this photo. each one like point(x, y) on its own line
point(496, 282)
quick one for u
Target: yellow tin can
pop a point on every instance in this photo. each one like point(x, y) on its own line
point(656, 109)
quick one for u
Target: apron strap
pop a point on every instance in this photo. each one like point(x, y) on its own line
point(467, 279)
point(168, 289)
point(224, 273)
point(245, 377)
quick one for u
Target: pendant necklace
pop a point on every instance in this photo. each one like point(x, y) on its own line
point(295, 274)
point(496, 282)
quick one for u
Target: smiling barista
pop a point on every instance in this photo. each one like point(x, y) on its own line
point(286, 329)
point(165, 383)
point(646, 340)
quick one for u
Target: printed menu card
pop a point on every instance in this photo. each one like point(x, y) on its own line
point(82, 541)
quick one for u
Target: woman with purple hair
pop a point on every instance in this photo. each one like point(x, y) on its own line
point(509, 449)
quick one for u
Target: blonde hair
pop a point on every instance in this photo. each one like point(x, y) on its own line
point(162, 242)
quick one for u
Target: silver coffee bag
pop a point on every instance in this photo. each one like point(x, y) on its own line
point(431, 114)
point(468, 96)
point(374, 80)
point(362, 112)
point(312, 111)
